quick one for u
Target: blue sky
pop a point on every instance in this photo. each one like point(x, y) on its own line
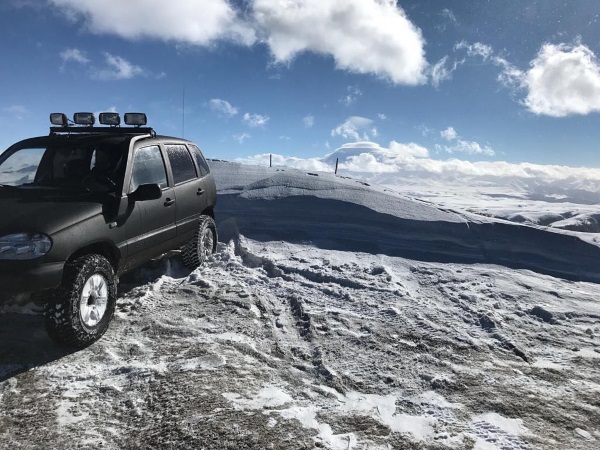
point(514, 80)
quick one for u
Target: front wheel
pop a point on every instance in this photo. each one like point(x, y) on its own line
point(84, 303)
point(202, 245)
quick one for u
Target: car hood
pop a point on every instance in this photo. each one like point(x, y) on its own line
point(44, 211)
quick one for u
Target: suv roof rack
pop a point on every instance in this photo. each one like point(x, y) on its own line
point(103, 130)
point(84, 123)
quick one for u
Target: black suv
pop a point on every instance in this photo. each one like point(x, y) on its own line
point(87, 203)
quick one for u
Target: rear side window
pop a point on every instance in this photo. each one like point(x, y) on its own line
point(202, 164)
point(181, 163)
point(148, 168)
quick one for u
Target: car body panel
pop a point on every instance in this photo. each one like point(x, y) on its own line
point(127, 232)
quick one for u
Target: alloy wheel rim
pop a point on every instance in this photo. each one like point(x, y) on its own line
point(94, 300)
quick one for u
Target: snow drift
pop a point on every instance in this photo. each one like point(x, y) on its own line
point(341, 213)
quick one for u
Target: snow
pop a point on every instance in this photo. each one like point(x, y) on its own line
point(335, 313)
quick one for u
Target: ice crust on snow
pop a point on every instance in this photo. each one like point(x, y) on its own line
point(380, 408)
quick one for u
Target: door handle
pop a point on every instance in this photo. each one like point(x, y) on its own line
point(200, 191)
point(169, 202)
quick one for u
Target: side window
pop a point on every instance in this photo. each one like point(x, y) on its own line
point(181, 163)
point(202, 164)
point(148, 168)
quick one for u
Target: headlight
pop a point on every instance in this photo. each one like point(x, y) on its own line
point(24, 246)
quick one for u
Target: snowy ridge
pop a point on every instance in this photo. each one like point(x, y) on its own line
point(347, 214)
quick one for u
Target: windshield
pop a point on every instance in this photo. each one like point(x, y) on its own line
point(74, 165)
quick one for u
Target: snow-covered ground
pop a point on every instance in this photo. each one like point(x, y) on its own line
point(336, 314)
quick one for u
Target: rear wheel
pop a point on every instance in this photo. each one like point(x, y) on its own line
point(202, 245)
point(84, 303)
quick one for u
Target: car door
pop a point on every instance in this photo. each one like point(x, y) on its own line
point(153, 222)
point(204, 174)
point(189, 190)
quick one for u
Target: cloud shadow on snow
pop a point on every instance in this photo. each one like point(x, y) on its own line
point(338, 225)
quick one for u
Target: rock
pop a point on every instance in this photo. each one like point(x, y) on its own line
point(542, 313)
point(486, 322)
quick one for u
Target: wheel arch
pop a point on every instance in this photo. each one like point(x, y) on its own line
point(106, 249)
point(210, 211)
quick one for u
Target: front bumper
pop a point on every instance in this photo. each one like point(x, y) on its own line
point(18, 277)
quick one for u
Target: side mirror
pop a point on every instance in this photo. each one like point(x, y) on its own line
point(146, 192)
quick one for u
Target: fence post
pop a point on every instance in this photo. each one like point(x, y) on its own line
point(270, 160)
point(336, 164)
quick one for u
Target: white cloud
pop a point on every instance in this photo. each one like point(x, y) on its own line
point(410, 161)
point(425, 130)
point(449, 134)
point(411, 149)
point(16, 111)
point(353, 92)
point(462, 146)
point(255, 120)
point(117, 68)
point(449, 15)
point(355, 128)
point(366, 162)
point(198, 22)
point(469, 147)
point(287, 161)
point(362, 36)
point(370, 157)
point(369, 37)
point(382, 116)
point(222, 107)
point(476, 49)
point(74, 55)
point(563, 80)
point(510, 76)
point(110, 109)
point(241, 137)
point(309, 121)
point(442, 71)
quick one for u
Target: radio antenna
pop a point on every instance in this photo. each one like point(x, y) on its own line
point(183, 114)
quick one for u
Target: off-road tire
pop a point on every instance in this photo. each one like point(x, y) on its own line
point(196, 251)
point(63, 318)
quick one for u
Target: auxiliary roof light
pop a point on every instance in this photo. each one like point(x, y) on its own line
point(59, 119)
point(137, 119)
point(84, 118)
point(110, 118)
